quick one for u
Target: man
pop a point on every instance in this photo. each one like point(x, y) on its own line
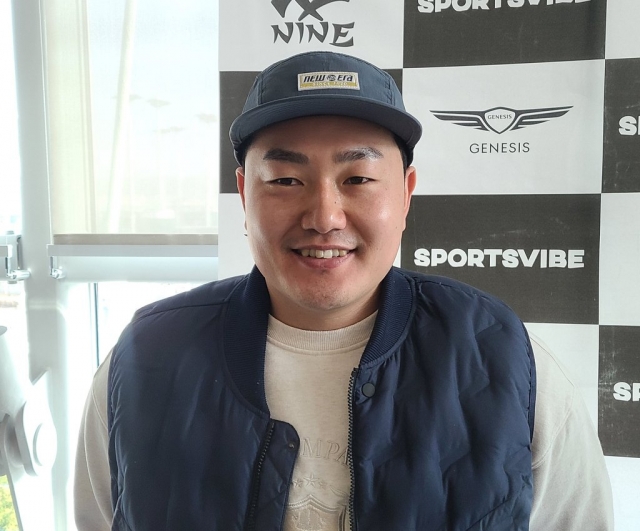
point(327, 390)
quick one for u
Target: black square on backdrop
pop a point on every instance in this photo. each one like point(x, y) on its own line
point(619, 391)
point(525, 226)
point(234, 88)
point(505, 31)
point(621, 155)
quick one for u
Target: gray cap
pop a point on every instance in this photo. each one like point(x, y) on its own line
point(324, 83)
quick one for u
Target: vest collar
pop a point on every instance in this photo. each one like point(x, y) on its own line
point(247, 316)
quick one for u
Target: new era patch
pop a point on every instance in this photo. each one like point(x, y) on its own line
point(326, 80)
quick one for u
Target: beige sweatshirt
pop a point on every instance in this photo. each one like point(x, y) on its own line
point(572, 491)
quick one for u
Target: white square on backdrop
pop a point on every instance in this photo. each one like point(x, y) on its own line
point(561, 154)
point(622, 40)
point(369, 29)
point(624, 473)
point(620, 259)
point(577, 348)
point(234, 256)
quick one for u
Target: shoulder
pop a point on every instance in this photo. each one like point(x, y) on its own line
point(461, 301)
point(208, 295)
point(163, 329)
point(456, 318)
point(184, 309)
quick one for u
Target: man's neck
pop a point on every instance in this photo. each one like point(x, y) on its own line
point(333, 319)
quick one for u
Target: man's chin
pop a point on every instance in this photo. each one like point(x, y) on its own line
point(338, 305)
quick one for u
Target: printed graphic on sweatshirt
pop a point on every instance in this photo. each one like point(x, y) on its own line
point(319, 491)
point(310, 514)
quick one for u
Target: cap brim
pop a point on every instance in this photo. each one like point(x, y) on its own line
point(395, 120)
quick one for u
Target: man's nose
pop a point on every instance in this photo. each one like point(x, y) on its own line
point(325, 210)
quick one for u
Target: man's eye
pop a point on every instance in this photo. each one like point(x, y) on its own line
point(357, 180)
point(286, 181)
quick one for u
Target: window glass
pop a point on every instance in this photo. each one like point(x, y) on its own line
point(12, 302)
point(133, 116)
point(10, 211)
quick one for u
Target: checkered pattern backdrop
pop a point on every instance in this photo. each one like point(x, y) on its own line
point(529, 167)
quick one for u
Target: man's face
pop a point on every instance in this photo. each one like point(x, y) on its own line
point(317, 187)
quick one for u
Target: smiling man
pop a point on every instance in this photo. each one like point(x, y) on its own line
point(328, 390)
point(325, 201)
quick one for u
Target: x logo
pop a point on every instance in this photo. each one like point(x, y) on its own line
point(309, 7)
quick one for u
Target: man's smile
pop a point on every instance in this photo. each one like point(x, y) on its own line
point(322, 253)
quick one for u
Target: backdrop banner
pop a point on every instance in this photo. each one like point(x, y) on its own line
point(528, 169)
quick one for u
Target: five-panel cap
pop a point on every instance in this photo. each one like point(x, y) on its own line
point(324, 83)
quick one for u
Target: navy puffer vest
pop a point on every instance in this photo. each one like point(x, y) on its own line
point(440, 440)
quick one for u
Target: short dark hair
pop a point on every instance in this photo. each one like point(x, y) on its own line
point(241, 152)
point(403, 153)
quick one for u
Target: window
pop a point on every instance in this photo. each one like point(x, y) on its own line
point(132, 103)
point(118, 168)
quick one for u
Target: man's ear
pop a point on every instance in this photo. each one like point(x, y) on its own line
point(240, 183)
point(410, 179)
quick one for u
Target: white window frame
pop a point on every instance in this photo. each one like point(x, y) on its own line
point(59, 299)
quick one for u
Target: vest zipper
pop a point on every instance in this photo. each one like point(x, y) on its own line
point(352, 473)
point(251, 517)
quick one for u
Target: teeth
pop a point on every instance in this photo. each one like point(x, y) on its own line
point(319, 253)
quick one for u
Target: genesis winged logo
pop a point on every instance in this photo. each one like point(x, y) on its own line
point(309, 7)
point(501, 119)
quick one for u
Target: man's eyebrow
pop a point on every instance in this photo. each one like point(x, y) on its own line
point(286, 156)
point(360, 153)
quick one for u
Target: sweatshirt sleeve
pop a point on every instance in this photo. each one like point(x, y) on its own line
point(92, 485)
point(572, 491)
